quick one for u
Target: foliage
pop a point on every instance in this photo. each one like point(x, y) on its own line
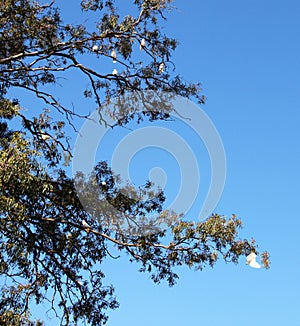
point(47, 253)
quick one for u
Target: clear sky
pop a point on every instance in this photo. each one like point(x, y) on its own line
point(247, 56)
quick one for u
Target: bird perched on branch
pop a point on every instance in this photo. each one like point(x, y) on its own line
point(86, 226)
point(95, 48)
point(142, 44)
point(114, 56)
point(161, 68)
point(251, 260)
point(45, 136)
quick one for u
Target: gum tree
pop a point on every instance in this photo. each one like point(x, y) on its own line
point(51, 247)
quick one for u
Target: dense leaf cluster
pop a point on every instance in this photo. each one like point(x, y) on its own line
point(36, 47)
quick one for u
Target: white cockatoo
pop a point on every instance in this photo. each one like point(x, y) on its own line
point(161, 68)
point(251, 260)
point(95, 48)
point(45, 136)
point(79, 282)
point(115, 72)
point(142, 44)
point(85, 224)
point(114, 56)
point(103, 183)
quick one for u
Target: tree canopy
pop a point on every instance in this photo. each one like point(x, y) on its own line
point(51, 248)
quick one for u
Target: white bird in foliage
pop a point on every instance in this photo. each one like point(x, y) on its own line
point(115, 72)
point(142, 44)
point(85, 224)
point(103, 183)
point(161, 68)
point(45, 136)
point(114, 56)
point(95, 48)
point(79, 282)
point(251, 260)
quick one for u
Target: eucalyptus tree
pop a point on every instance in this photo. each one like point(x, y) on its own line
point(51, 247)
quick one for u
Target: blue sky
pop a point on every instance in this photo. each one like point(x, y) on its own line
point(247, 56)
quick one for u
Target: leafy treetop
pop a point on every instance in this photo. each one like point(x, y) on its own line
point(51, 249)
